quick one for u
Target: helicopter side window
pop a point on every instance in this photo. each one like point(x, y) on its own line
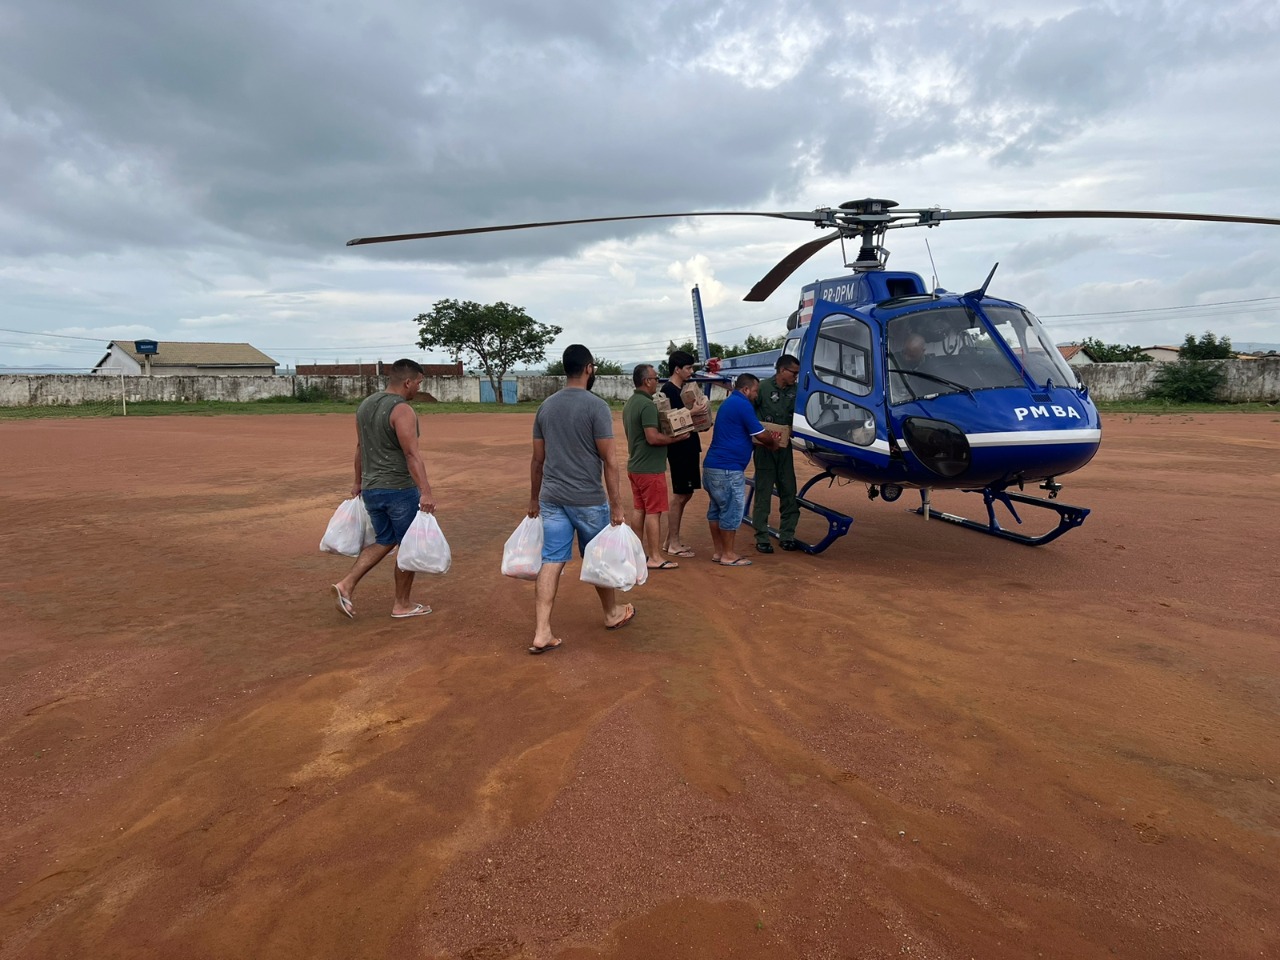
point(840, 418)
point(842, 354)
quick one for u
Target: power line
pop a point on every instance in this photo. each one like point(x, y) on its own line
point(60, 336)
point(1188, 306)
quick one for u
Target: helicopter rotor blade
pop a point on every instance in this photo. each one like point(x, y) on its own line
point(936, 216)
point(787, 266)
point(813, 216)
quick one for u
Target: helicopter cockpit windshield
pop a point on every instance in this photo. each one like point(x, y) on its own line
point(1030, 343)
point(951, 350)
point(946, 350)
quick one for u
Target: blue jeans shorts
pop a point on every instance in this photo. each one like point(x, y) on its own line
point(391, 512)
point(727, 491)
point(559, 523)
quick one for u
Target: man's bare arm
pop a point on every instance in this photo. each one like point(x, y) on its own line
point(656, 438)
point(535, 475)
point(358, 483)
point(604, 447)
point(405, 422)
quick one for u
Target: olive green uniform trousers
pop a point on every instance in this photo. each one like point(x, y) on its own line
point(775, 469)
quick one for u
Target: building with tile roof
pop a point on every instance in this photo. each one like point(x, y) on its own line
point(176, 359)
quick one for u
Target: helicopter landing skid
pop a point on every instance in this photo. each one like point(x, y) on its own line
point(1069, 517)
point(837, 523)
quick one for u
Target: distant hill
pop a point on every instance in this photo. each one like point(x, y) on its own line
point(1251, 347)
point(42, 368)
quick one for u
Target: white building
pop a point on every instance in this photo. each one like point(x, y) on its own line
point(1163, 354)
point(174, 359)
point(1075, 354)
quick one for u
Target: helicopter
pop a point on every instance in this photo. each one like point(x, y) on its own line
point(906, 387)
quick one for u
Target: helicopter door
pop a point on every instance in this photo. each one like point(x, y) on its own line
point(835, 395)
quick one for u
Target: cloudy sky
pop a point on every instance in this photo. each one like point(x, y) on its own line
point(192, 172)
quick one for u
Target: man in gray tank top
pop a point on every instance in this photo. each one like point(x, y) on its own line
point(392, 480)
point(572, 448)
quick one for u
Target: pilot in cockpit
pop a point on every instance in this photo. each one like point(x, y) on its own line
point(913, 354)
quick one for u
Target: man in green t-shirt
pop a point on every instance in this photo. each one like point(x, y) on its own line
point(647, 464)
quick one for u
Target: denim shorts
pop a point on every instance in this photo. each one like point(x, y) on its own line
point(559, 524)
point(727, 491)
point(391, 512)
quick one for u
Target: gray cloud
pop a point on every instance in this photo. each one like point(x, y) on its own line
point(198, 152)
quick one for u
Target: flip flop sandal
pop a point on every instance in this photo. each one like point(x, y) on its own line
point(418, 611)
point(631, 615)
point(345, 607)
point(535, 649)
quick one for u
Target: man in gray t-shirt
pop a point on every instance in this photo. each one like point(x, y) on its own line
point(572, 449)
point(391, 479)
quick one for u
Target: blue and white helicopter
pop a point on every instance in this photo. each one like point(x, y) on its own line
point(904, 387)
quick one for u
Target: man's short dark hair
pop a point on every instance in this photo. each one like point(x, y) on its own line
point(402, 370)
point(786, 360)
point(576, 360)
point(679, 359)
point(745, 380)
point(641, 373)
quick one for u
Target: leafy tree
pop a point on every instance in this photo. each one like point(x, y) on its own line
point(1190, 379)
point(604, 367)
point(757, 344)
point(1208, 347)
point(754, 344)
point(1187, 381)
point(1113, 352)
point(498, 335)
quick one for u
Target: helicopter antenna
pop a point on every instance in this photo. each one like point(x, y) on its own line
point(982, 291)
point(933, 265)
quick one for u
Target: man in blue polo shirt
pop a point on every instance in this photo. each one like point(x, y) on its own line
point(737, 431)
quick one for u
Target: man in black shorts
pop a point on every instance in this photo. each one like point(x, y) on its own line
point(685, 458)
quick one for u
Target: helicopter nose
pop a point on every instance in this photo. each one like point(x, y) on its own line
point(942, 447)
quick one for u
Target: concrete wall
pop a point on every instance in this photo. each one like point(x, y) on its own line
point(21, 390)
point(1246, 380)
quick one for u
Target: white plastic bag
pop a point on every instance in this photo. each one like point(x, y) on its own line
point(424, 548)
point(615, 558)
point(349, 531)
point(522, 555)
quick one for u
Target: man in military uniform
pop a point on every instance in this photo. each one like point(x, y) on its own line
point(776, 403)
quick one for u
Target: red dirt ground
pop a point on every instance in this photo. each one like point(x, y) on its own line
point(922, 743)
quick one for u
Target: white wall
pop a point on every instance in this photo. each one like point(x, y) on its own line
point(1246, 380)
point(21, 390)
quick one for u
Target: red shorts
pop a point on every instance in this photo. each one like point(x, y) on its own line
point(649, 491)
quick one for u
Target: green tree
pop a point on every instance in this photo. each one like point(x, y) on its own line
point(1113, 352)
point(1187, 381)
point(753, 344)
point(1190, 379)
point(498, 335)
point(1208, 347)
point(757, 344)
point(604, 367)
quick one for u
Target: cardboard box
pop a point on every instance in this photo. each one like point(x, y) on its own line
point(675, 423)
point(695, 398)
point(781, 428)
